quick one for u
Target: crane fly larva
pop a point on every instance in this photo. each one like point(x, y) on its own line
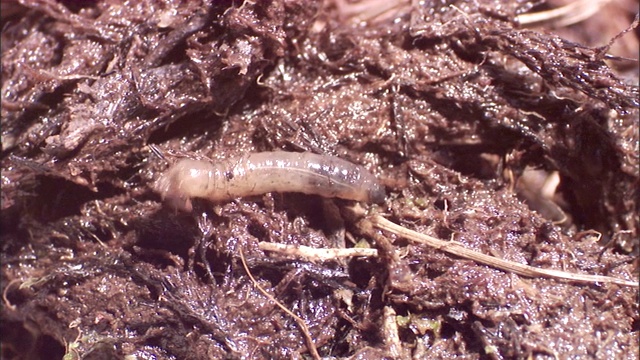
point(259, 173)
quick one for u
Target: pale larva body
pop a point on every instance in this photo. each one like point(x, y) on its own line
point(260, 173)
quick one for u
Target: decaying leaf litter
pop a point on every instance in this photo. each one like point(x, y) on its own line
point(447, 104)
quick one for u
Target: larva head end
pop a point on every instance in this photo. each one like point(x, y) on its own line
point(170, 191)
point(179, 203)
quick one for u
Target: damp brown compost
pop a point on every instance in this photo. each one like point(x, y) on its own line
point(492, 128)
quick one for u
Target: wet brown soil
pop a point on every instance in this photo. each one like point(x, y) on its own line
point(516, 140)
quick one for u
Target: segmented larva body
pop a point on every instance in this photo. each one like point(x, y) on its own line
point(260, 173)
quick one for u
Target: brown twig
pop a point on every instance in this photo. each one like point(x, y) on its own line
point(517, 268)
point(314, 253)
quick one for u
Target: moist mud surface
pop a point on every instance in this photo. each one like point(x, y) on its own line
point(515, 138)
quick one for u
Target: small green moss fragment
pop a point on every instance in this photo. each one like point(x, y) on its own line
point(421, 325)
point(362, 244)
point(403, 321)
point(490, 349)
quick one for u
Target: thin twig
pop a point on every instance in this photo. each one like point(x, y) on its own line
point(517, 268)
point(314, 253)
point(566, 15)
point(305, 330)
point(5, 299)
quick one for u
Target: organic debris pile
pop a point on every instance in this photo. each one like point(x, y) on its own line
point(486, 129)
